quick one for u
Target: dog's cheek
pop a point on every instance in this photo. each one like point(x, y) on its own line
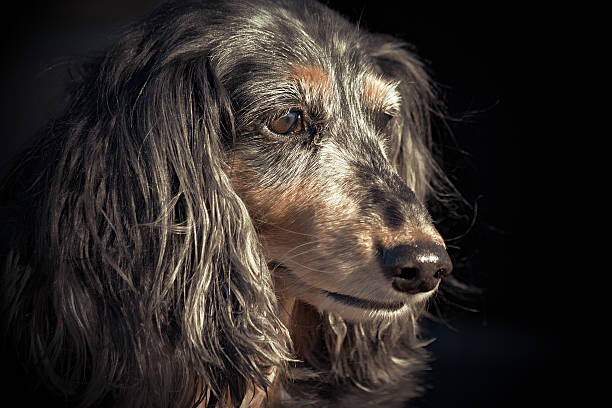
point(283, 218)
point(286, 230)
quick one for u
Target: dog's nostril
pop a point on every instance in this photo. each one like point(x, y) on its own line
point(440, 273)
point(409, 274)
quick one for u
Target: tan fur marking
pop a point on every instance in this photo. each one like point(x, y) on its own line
point(378, 93)
point(313, 80)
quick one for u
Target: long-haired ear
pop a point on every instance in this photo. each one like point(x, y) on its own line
point(411, 132)
point(138, 272)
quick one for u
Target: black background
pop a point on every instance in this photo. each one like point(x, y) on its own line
point(500, 72)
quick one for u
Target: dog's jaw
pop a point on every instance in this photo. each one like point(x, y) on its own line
point(290, 288)
point(362, 310)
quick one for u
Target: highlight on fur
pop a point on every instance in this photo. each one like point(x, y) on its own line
point(217, 215)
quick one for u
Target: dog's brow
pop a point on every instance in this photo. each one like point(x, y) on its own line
point(379, 93)
point(312, 79)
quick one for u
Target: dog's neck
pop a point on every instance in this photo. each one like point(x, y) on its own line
point(300, 318)
point(286, 305)
point(303, 322)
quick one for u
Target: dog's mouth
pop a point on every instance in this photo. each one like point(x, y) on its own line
point(363, 303)
point(341, 299)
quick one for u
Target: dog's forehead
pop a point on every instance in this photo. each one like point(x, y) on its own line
point(290, 57)
point(317, 82)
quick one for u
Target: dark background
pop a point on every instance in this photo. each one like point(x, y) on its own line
point(499, 70)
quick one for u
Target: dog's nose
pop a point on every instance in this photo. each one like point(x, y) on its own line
point(416, 268)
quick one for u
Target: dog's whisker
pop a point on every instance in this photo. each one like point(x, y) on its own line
point(291, 253)
point(284, 229)
point(309, 268)
point(470, 226)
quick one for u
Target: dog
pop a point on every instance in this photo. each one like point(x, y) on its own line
point(230, 212)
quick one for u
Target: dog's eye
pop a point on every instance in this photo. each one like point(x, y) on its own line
point(290, 123)
point(382, 119)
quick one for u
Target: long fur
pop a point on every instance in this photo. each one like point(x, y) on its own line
point(135, 274)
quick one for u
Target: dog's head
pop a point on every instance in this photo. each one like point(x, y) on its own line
point(331, 159)
point(213, 143)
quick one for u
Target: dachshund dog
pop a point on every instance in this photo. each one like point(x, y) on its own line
point(230, 212)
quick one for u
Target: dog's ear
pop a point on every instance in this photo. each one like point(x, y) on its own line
point(139, 272)
point(411, 131)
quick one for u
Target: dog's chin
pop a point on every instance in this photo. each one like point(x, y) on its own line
point(352, 307)
point(357, 309)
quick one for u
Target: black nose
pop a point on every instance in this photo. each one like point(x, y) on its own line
point(416, 268)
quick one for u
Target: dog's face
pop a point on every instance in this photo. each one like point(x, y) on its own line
point(214, 143)
point(318, 121)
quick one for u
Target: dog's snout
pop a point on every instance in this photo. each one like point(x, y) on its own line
point(416, 268)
